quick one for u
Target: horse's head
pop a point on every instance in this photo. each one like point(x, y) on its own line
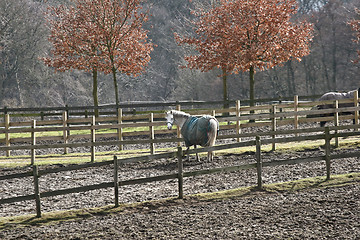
point(176, 117)
point(169, 116)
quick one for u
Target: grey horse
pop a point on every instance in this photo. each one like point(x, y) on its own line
point(195, 130)
point(336, 96)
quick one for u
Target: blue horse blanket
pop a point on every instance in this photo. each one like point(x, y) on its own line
point(195, 130)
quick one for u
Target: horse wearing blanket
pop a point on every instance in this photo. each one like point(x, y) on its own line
point(336, 96)
point(195, 130)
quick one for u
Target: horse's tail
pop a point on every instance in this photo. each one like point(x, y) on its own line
point(213, 131)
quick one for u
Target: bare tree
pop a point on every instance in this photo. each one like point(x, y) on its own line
point(21, 41)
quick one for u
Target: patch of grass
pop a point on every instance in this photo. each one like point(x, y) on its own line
point(292, 186)
point(317, 182)
point(61, 216)
point(77, 158)
point(72, 158)
point(347, 143)
point(78, 132)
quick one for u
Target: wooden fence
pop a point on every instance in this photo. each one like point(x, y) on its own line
point(131, 107)
point(327, 134)
point(235, 118)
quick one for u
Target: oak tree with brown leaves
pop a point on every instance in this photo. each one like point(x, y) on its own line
point(243, 35)
point(99, 35)
point(355, 26)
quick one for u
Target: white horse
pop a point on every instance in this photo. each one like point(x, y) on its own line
point(336, 96)
point(195, 131)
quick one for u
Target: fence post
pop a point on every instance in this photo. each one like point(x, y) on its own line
point(356, 104)
point(119, 130)
point(258, 162)
point(178, 131)
point(7, 135)
point(336, 122)
point(116, 181)
point(33, 142)
point(280, 110)
point(133, 111)
point(238, 128)
point(93, 138)
point(327, 152)
point(273, 122)
point(65, 132)
point(180, 173)
point(296, 117)
point(67, 117)
point(152, 135)
point(36, 190)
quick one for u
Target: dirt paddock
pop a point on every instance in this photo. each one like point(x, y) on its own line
point(317, 214)
point(331, 213)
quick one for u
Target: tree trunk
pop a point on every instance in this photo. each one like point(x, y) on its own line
point(252, 83)
point(225, 93)
point(115, 87)
point(323, 59)
point(334, 61)
point(252, 92)
point(95, 93)
point(290, 79)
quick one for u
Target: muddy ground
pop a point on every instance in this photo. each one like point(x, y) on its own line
point(332, 213)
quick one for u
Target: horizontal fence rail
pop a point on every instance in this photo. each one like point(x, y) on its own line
point(327, 136)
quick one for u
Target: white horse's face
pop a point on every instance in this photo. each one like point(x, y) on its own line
point(169, 119)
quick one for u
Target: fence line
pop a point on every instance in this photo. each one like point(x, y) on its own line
point(132, 108)
point(258, 164)
point(180, 103)
point(294, 106)
point(270, 118)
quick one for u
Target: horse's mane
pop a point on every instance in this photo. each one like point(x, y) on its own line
point(179, 113)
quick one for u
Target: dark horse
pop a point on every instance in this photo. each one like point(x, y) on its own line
point(336, 96)
point(195, 130)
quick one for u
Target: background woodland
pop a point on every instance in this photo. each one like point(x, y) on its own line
point(26, 82)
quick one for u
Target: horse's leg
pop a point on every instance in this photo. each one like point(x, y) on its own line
point(322, 123)
point(210, 156)
point(187, 153)
point(196, 154)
